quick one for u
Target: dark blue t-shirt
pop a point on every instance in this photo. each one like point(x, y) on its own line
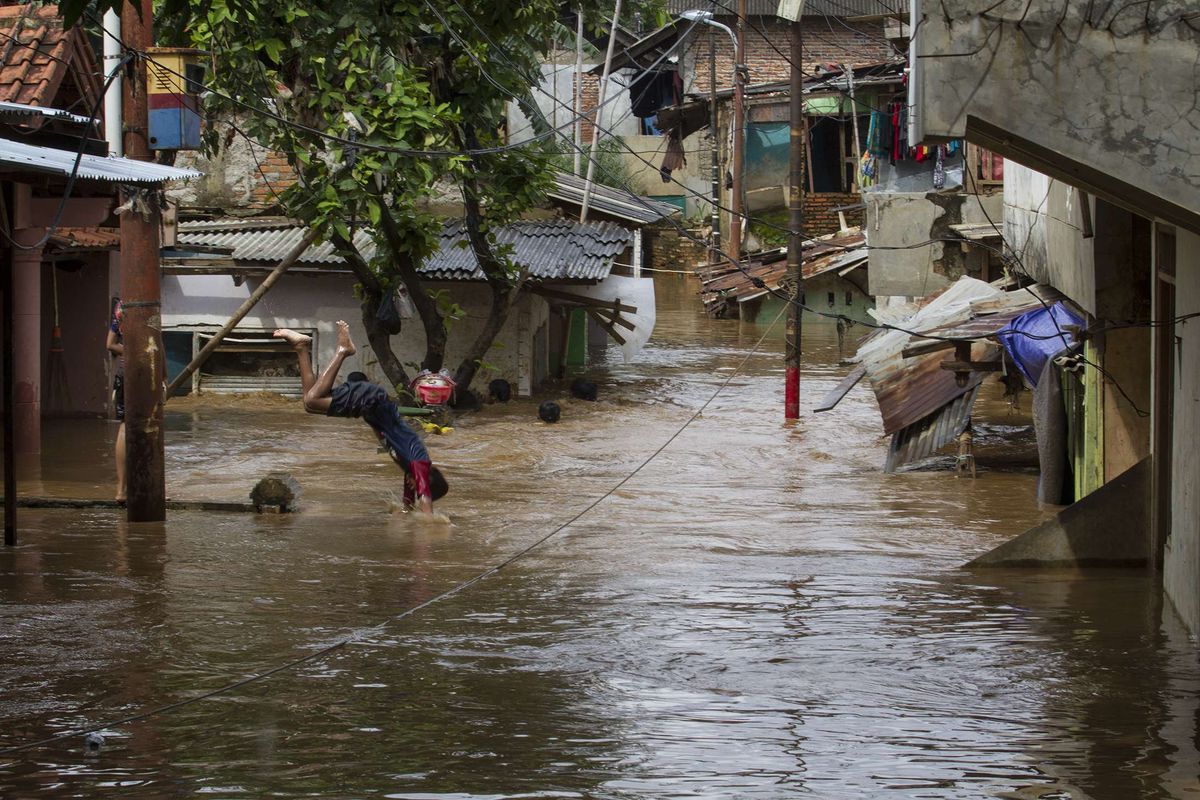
point(371, 402)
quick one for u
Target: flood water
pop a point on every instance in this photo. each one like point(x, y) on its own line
point(758, 613)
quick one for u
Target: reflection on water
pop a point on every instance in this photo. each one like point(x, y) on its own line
point(758, 613)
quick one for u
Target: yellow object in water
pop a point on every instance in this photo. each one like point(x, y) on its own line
point(432, 427)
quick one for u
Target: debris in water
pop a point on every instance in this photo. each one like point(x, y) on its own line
point(549, 411)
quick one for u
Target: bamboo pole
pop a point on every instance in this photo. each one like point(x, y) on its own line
point(591, 170)
point(245, 308)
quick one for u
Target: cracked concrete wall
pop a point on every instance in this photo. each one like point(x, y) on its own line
point(915, 222)
point(1107, 91)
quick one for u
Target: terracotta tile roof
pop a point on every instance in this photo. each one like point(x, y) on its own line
point(86, 238)
point(42, 64)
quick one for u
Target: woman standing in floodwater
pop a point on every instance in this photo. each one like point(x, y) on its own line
point(115, 344)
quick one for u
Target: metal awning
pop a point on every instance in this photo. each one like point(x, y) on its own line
point(20, 113)
point(24, 157)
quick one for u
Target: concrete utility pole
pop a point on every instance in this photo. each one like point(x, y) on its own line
point(739, 132)
point(591, 170)
point(578, 133)
point(795, 255)
point(141, 293)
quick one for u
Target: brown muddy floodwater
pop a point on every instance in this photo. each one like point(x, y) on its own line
point(759, 613)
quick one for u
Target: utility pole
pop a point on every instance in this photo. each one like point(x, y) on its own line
point(141, 293)
point(739, 131)
point(795, 253)
point(578, 133)
point(591, 170)
point(714, 255)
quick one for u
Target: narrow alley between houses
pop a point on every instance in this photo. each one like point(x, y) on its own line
point(760, 612)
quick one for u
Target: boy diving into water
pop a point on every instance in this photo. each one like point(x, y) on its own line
point(423, 483)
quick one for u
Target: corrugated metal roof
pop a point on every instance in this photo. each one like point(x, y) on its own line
point(614, 202)
point(21, 112)
point(550, 250)
point(28, 157)
point(839, 251)
point(812, 8)
point(925, 437)
point(910, 389)
point(270, 241)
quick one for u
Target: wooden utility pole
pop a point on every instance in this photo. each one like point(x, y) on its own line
point(795, 254)
point(714, 255)
point(739, 132)
point(9, 377)
point(141, 298)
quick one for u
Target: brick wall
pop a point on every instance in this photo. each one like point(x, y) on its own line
point(825, 42)
point(819, 216)
point(589, 100)
point(667, 248)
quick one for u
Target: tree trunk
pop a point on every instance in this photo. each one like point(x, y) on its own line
point(505, 287)
point(373, 295)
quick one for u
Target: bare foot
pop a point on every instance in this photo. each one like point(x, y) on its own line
point(345, 344)
point(295, 339)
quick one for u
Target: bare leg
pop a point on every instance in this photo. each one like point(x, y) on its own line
point(303, 346)
point(317, 397)
point(120, 459)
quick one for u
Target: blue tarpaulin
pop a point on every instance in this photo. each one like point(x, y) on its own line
point(1034, 337)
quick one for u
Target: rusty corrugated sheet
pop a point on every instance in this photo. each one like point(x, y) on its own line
point(925, 437)
point(86, 238)
point(908, 390)
point(826, 254)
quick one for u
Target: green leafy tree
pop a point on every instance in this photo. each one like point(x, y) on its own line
point(370, 102)
point(374, 103)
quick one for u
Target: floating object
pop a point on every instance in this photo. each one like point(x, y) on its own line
point(500, 390)
point(279, 493)
point(433, 427)
point(433, 388)
point(583, 389)
point(549, 411)
point(93, 742)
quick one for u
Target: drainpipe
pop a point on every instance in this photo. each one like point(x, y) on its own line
point(112, 98)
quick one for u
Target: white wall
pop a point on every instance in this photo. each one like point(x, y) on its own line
point(317, 301)
point(1181, 560)
point(559, 82)
point(1043, 224)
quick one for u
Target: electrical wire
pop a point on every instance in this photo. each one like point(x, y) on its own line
point(363, 145)
point(459, 588)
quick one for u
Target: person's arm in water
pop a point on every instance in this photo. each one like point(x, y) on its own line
point(113, 345)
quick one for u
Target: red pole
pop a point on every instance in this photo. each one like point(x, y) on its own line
point(795, 259)
point(141, 294)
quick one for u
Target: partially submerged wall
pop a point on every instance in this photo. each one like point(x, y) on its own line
point(1181, 560)
point(914, 225)
point(206, 302)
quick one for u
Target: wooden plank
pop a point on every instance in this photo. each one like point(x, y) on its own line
point(587, 302)
point(608, 326)
point(174, 505)
point(615, 316)
point(925, 347)
point(835, 395)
